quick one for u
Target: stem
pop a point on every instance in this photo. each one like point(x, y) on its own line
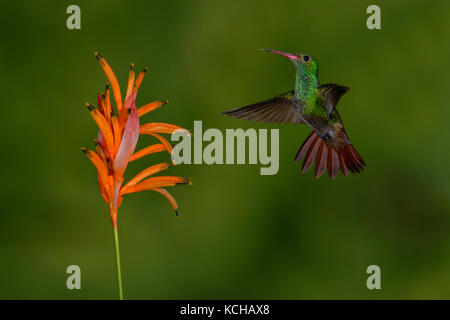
point(119, 272)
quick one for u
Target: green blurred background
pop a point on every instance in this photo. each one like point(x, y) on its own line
point(241, 235)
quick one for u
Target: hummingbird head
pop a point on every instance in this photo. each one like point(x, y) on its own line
point(303, 62)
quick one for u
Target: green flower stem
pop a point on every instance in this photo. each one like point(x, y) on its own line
point(119, 272)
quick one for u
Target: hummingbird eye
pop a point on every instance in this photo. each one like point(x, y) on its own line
point(306, 58)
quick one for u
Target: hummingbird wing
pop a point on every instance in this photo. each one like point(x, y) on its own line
point(280, 109)
point(332, 92)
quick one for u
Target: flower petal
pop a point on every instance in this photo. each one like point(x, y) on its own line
point(101, 140)
point(123, 117)
point(107, 104)
point(130, 81)
point(149, 150)
point(129, 138)
point(146, 173)
point(140, 77)
point(169, 197)
point(163, 141)
point(103, 191)
point(159, 127)
point(102, 170)
point(117, 133)
point(156, 182)
point(104, 128)
point(100, 103)
point(112, 79)
point(151, 106)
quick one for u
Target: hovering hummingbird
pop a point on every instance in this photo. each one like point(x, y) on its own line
point(315, 105)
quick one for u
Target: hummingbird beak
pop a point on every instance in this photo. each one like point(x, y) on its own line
point(290, 56)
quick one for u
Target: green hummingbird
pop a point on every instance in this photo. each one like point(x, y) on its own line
point(314, 105)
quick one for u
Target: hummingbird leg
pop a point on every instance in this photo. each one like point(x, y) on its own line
point(325, 136)
point(329, 113)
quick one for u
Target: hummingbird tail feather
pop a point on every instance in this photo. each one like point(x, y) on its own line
point(334, 155)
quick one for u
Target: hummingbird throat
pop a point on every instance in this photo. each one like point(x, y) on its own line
point(305, 84)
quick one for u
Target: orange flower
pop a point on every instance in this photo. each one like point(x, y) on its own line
point(116, 142)
point(117, 139)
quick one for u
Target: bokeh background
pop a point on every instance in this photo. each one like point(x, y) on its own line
point(240, 235)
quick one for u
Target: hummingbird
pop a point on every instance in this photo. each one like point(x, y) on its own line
point(314, 105)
